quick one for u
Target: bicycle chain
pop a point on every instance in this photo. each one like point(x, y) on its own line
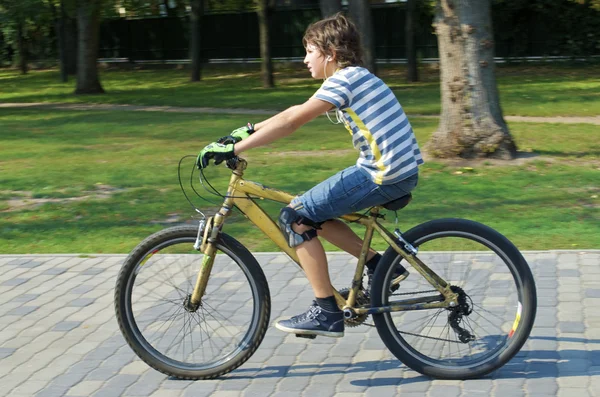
point(417, 335)
point(414, 293)
point(410, 333)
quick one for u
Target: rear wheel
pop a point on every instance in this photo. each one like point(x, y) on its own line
point(152, 302)
point(497, 301)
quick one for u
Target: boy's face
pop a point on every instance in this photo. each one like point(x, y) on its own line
point(318, 65)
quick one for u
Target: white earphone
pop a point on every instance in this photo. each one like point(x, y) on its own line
point(328, 58)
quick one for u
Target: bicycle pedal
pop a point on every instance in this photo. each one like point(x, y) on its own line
point(307, 336)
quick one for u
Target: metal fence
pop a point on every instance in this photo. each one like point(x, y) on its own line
point(235, 37)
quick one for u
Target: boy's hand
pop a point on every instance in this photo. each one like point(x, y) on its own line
point(238, 135)
point(217, 151)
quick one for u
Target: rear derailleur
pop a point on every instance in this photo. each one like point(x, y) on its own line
point(458, 312)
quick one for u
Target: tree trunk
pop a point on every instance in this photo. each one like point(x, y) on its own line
point(330, 7)
point(264, 17)
point(171, 12)
point(360, 12)
point(59, 25)
point(22, 48)
point(196, 46)
point(471, 123)
point(88, 23)
point(71, 41)
point(412, 74)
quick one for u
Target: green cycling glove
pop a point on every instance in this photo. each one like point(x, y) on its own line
point(217, 151)
point(238, 134)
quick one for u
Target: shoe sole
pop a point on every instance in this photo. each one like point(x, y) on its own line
point(309, 332)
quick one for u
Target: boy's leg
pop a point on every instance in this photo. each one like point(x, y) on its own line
point(314, 262)
point(342, 236)
point(339, 234)
point(323, 317)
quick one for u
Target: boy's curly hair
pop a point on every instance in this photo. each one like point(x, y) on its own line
point(336, 34)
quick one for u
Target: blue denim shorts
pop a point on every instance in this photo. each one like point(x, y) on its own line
point(348, 191)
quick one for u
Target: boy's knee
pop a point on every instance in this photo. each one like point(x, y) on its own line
point(296, 228)
point(301, 228)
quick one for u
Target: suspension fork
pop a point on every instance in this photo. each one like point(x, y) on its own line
point(212, 229)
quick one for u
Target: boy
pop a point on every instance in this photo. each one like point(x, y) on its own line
point(386, 169)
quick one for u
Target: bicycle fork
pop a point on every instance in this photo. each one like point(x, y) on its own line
point(208, 234)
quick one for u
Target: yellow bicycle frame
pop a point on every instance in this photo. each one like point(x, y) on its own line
point(242, 194)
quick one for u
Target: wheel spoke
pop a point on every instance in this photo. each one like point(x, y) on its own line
point(187, 341)
point(466, 261)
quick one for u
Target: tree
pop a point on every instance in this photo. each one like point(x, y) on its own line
point(88, 23)
point(330, 7)
point(360, 13)
point(15, 18)
point(264, 9)
point(471, 123)
point(196, 47)
point(411, 48)
point(59, 17)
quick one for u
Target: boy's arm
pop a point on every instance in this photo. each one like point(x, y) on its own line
point(283, 124)
point(257, 126)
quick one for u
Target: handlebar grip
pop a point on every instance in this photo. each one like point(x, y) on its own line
point(232, 163)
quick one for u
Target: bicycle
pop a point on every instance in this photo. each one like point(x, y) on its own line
point(193, 314)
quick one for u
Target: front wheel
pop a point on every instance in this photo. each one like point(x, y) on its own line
point(152, 302)
point(497, 301)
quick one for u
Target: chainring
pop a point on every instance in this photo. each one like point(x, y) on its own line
point(361, 300)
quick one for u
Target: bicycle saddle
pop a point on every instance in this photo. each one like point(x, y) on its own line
point(399, 203)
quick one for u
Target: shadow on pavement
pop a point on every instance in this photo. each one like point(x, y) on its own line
point(527, 364)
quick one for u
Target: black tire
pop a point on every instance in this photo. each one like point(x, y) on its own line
point(502, 282)
point(221, 335)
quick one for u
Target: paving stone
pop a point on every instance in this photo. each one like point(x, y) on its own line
point(55, 271)
point(592, 293)
point(102, 374)
point(444, 391)
point(81, 289)
point(22, 310)
point(18, 262)
point(81, 302)
point(116, 385)
point(238, 384)
point(204, 389)
point(568, 273)
point(547, 386)
point(66, 325)
point(85, 388)
point(6, 352)
point(93, 271)
point(52, 391)
point(25, 298)
point(40, 341)
point(571, 326)
point(14, 282)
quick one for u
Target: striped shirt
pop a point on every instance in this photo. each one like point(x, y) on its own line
point(380, 130)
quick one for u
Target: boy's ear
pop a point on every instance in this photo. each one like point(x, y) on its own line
point(333, 56)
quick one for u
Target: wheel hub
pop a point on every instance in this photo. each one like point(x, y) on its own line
point(189, 306)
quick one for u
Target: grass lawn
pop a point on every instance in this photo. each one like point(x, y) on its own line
point(100, 181)
point(539, 90)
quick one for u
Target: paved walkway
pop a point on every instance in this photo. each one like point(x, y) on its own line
point(136, 108)
point(59, 337)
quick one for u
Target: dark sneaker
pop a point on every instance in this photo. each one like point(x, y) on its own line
point(315, 321)
point(400, 274)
